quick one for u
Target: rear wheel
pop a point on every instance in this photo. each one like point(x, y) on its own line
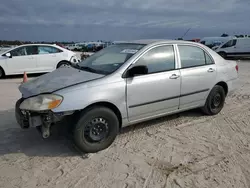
point(215, 101)
point(96, 129)
point(63, 64)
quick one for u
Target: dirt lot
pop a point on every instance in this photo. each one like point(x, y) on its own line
point(184, 150)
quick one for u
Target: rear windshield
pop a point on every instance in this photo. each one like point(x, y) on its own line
point(110, 58)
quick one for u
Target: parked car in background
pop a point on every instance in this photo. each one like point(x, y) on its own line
point(74, 47)
point(212, 42)
point(124, 84)
point(35, 58)
point(236, 48)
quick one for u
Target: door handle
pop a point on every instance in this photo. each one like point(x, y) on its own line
point(210, 70)
point(174, 76)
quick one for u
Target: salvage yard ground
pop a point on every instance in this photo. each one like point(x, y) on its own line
point(184, 150)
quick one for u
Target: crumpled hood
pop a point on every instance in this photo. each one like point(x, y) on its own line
point(58, 79)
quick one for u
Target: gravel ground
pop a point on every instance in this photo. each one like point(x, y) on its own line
point(183, 150)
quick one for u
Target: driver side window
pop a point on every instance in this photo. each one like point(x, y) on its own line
point(19, 52)
point(158, 59)
point(229, 44)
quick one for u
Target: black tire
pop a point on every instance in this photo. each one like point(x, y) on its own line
point(223, 54)
point(63, 64)
point(2, 74)
point(215, 101)
point(84, 134)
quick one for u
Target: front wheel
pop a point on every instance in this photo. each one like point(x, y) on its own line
point(96, 129)
point(1, 73)
point(215, 101)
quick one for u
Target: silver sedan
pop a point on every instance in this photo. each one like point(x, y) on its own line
point(126, 83)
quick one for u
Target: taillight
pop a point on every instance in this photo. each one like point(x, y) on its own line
point(237, 68)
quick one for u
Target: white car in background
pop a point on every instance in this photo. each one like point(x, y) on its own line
point(236, 48)
point(74, 47)
point(35, 58)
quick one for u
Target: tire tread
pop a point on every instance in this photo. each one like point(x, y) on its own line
point(85, 116)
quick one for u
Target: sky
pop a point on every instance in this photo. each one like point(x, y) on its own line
point(90, 20)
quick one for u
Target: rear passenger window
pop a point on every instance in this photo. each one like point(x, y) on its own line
point(158, 59)
point(47, 50)
point(192, 56)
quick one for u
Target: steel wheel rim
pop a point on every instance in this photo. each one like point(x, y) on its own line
point(64, 65)
point(216, 101)
point(96, 130)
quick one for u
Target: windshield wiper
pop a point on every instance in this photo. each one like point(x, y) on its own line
point(87, 68)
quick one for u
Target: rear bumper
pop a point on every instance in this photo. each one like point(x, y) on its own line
point(232, 86)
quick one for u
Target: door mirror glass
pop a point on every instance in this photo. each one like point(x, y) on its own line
point(8, 55)
point(137, 70)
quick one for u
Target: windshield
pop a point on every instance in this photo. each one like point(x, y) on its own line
point(109, 59)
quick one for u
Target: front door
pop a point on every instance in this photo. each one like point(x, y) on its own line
point(157, 92)
point(198, 75)
point(23, 59)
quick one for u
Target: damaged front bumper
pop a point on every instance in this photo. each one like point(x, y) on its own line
point(41, 119)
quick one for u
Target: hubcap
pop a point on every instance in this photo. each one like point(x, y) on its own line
point(96, 130)
point(216, 100)
point(64, 65)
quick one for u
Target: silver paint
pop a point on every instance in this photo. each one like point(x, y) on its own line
point(132, 96)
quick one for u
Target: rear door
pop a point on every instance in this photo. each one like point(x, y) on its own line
point(198, 75)
point(48, 57)
point(158, 91)
point(22, 59)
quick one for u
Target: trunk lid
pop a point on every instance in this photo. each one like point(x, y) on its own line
point(58, 79)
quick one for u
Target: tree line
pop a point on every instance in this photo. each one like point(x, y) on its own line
point(17, 42)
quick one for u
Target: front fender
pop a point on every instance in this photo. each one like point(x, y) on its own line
point(79, 99)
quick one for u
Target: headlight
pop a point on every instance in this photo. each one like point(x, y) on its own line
point(41, 102)
point(74, 59)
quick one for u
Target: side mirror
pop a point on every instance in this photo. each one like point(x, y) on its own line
point(137, 70)
point(8, 55)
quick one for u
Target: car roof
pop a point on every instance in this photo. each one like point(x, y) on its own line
point(245, 38)
point(156, 41)
point(34, 44)
point(42, 44)
point(31, 44)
